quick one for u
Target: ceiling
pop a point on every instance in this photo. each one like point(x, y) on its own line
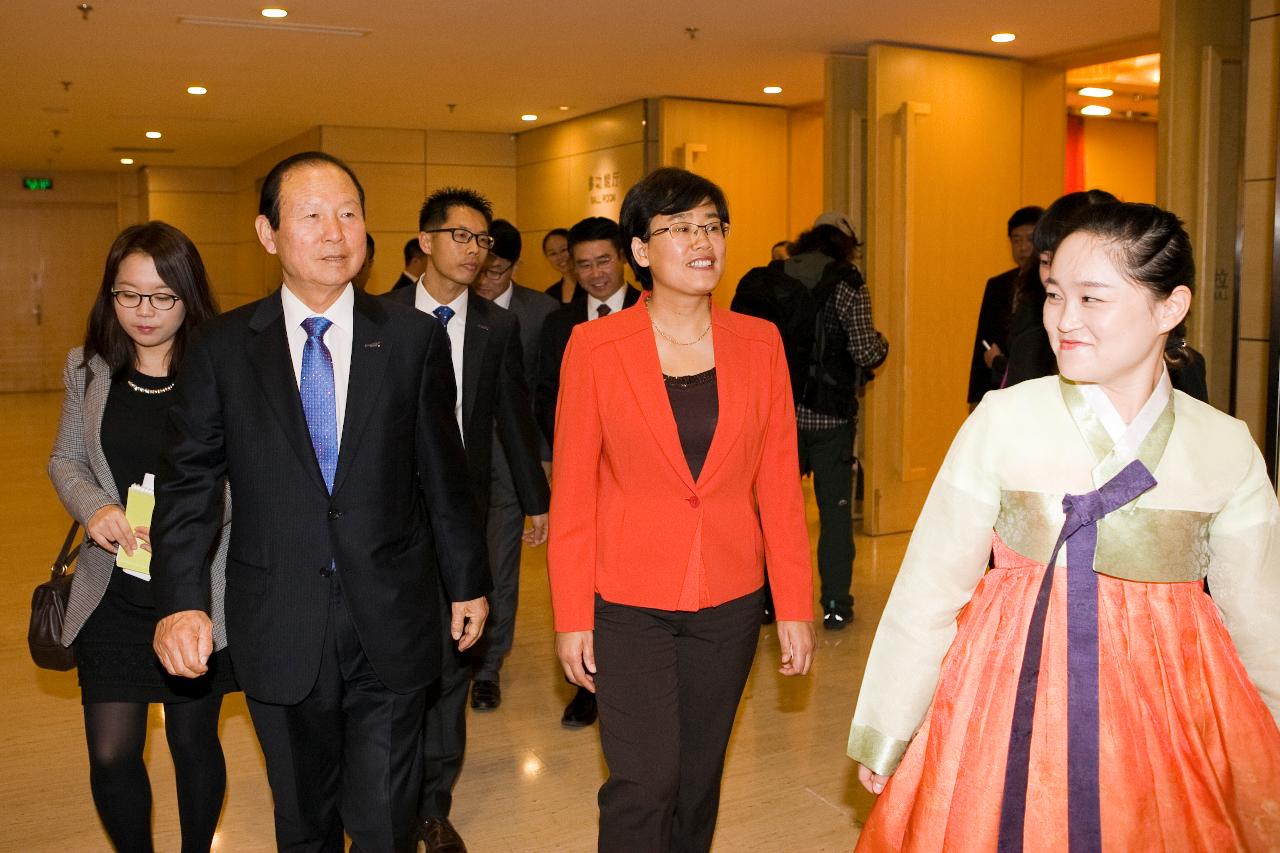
point(1134, 82)
point(130, 62)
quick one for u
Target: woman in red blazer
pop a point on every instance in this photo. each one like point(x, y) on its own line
point(675, 480)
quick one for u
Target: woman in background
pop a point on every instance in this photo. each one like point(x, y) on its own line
point(119, 387)
point(556, 248)
point(1086, 693)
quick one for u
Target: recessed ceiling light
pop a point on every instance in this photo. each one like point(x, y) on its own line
point(1003, 38)
point(197, 90)
point(126, 161)
point(564, 109)
point(274, 13)
point(154, 134)
point(1095, 110)
point(772, 90)
point(1096, 92)
point(528, 117)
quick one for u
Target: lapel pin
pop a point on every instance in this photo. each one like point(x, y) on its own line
point(374, 344)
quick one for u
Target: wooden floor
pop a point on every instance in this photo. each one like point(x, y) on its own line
point(528, 783)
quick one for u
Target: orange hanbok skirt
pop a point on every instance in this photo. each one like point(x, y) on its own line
point(1189, 756)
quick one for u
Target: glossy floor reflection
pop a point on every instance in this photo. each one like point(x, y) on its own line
point(528, 784)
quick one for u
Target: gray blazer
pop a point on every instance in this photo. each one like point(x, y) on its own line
point(84, 484)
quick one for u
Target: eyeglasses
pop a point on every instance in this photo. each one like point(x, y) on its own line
point(159, 301)
point(462, 235)
point(588, 265)
point(496, 272)
point(686, 232)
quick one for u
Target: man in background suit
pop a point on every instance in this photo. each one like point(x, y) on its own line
point(506, 513)
point(415, 261)
point(330, 414)
point(595, 244)
point(488, 365)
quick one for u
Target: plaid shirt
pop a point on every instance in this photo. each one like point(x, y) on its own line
point(866, 345)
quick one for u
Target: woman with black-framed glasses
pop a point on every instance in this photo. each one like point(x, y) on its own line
point(119, 387)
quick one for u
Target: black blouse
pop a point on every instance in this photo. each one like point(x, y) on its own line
point(696, 409)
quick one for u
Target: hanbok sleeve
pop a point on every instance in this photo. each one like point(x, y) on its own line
point(945, 559)
point(1244, 574)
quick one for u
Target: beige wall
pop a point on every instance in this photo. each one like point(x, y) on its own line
point(1257, 281)
point(743, 149)
point(574, 169)
point(202, 204)
point(1120, 157)
point(805, 129)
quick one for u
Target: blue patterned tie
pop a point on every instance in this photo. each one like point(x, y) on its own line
point(444, 314)
point(319, 402)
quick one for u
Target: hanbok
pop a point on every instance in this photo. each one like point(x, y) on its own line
point(1086, 693)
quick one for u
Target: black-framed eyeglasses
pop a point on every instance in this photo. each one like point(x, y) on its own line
point(686, 232)
point(464, 235)
point(159, 301)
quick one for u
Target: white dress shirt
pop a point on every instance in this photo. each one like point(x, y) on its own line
point(615, 303)
point(503, 299)
point(457, 330)
point(337, 338)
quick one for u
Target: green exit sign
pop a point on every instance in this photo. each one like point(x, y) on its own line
point(37, 183)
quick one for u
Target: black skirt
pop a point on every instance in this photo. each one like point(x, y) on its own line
point(116, 662)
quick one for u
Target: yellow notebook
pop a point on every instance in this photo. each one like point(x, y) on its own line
point(137, 509)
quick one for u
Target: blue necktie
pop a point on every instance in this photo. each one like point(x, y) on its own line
point(319, 401)
point(444, 314)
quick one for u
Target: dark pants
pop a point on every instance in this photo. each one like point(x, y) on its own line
point(668, 688)
point(829, 454)
point(503, 531)
point(347, 756)
point(444, 728)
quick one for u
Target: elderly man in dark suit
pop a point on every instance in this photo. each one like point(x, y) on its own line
point(488, 365)
point(595, 244)
point(330, 414)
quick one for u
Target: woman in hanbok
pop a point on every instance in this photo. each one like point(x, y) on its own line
point(1086, 693)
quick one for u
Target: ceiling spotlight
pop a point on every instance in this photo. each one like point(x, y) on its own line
point(528, 117)
point(154, 134)
point(126, 161)
point(274, 13)
point(564, 109)
point(1003, 38)
point(1095, 110)
point(1096, 92)
point(197, 90)
point(772, 90)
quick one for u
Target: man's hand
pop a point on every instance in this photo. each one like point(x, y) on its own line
point(183, 642)
point(110, 530)
point(991, 354)
point(537, 534)
point(577, 653)
point(468, 621)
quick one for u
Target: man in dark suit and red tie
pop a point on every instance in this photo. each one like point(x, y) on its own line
point(330, 413)
point(493, 399)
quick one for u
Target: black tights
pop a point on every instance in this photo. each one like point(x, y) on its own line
point(117, 732)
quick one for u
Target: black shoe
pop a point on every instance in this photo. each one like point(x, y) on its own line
point(485, 696)
point(437, 835)
point(581, 710)
point(836, 616)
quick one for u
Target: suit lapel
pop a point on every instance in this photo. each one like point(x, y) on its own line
point(474, 345)
point(95, 403)
point(370, 353)
point(733, 364)
point(268, 351)
point(639, 356)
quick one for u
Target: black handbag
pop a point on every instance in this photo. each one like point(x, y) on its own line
point(49, 611)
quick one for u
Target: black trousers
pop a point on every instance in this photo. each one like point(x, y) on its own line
point(503, 531)
point(668, 687)
point(829, 454)
point(444, 728)
point(347, 757)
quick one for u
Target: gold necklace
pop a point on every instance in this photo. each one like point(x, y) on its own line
point(664, 335)
point(141, 390)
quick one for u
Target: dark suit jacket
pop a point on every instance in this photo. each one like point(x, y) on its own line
point(555, 337)
point(495, 394)
point(531, 309)
point(402, 282)
point(401, 518)
point(994, 319)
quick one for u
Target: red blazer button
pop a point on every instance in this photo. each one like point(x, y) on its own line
point(694, 502)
